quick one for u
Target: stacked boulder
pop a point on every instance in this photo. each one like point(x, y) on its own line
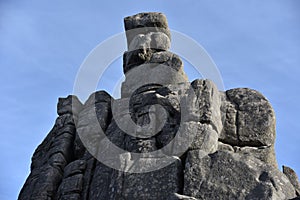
point(148, 60)
point(171, 139)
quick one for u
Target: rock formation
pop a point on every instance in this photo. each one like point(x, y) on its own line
point(179, 140)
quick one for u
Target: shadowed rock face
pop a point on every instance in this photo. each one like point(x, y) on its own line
point(230, 135)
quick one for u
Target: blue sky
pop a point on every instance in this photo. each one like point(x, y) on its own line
point(254, 43)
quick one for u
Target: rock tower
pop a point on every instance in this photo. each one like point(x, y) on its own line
point(173, 139)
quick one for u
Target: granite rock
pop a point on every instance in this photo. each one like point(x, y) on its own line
point(165, 138)
point(69, 105)
point(253, 131)
point(159, 184)
point(163, 68)
point(292, 176)
point(248, 123)
point(92, 123)
point(49, 160)
point(226, 175)
point(153, 40)
point(143, 23)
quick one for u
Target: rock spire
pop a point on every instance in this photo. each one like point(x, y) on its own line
point(220, 144)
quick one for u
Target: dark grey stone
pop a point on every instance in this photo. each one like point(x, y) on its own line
point(70, 185)
point(100, 182)
point(92, 123)
point(208, 103)
point(229, 118)
point(248, 124)
point(69, 105)
point(151, 57)
point(255, 119)
point(88, 174)
point(141, 69)
point(159, 184)
point(263, 153)
point(139, 145)
point(75, 167)
point(292, 176)
point(49, 161)
point(144, 23)
point(225, 140)
point(176, 196)
point(227, 175)
point(192, 136)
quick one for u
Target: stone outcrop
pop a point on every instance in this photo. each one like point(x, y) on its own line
point(165, 138)
point(233, 176)
point(53, 154)
point(292, 176)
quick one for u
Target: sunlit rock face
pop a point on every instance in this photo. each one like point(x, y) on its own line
point(165, 138)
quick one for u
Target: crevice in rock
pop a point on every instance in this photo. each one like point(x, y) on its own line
point(237, 125)
point(236, 107)
point(228, 142)
point(244, 144)
point(123, 184)
point(86, 190)
point(181, 173)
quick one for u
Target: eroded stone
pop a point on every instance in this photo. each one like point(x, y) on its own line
point(228, 175)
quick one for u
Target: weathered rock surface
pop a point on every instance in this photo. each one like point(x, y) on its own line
point(208, 103)
point(226, 175)
point(292, 176)
point(148, 61)
point(153, 40)
point(51, 157)
point(150, 57)
point(69, 105)
point(199, 142)
point(176, 196)
point(93, 120)
point(144, 23)
point(162, 68)
point(159, 184)
point(72, 182)
point(243, 131)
